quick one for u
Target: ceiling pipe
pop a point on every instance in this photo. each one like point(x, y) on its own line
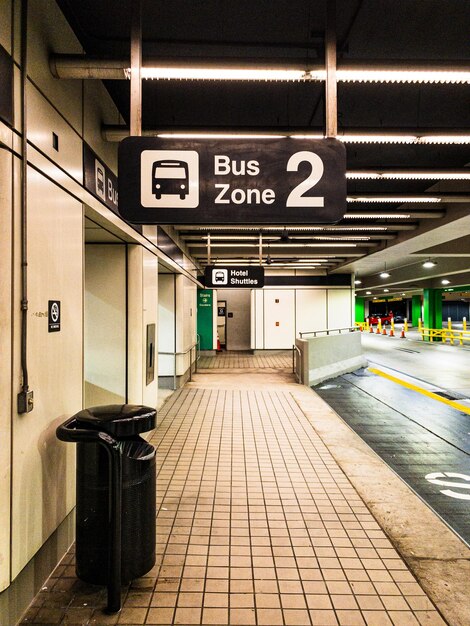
point(78, 66)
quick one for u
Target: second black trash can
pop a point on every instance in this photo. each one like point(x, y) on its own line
point(124, 423)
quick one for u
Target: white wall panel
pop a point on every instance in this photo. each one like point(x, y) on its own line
point(279, 318)
point(149, 313)
point(258, 339)
point(166, 323)
point(99, 109)
point(185, 321)
point(43, 468)
point(105, 324)
point(43, 120)
point(310, 310)
point(339, 308)
point(5, 369)
point(49, 32)
point(5, 24)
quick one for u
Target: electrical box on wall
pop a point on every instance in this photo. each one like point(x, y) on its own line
point(150, 354)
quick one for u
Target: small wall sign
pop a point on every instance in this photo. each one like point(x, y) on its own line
point(53, 316)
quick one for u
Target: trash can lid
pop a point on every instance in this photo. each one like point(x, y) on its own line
point(119, 420)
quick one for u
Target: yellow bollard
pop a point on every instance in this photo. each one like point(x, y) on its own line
point(392, 330)
point(464, 323)
point(405, 328)
point(379, 326)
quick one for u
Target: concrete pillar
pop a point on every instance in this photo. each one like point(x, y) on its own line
point(415, 310)
point(359, 310)
point(432, 308)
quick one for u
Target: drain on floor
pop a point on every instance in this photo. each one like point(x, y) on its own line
point(327, 387)
point(450, 396)
point(408, 350)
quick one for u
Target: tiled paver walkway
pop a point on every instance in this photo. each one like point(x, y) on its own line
point(257, 525)
point(242, 359)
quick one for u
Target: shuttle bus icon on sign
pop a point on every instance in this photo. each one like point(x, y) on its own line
point(219, 277)
point(169, 179)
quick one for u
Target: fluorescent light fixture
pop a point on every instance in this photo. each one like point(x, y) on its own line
point(386, 290)
point(278, 245)
point(444, 281)
point(375, 75)
point(216, 136)
point(358, 282)
point(368, 293)
point(384, 275)
point(445, 139)
point(312, 136)
point(216, 73)
point(402, 76)
point(404, 175)
point(429, 264)
point(373, 138)
point(457, 138)
point(394, 199)
point(376, 216)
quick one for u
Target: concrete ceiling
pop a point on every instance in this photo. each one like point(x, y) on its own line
point(382, 30)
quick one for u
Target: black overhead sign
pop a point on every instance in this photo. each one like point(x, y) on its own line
point(99, 179)
point(240, 277)
point(260, 181)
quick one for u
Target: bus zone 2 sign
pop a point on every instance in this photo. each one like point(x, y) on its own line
point(261, 181)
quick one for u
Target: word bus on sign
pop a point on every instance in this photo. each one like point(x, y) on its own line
point(169, 181)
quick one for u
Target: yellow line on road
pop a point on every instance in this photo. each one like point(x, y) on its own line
point(424, 392)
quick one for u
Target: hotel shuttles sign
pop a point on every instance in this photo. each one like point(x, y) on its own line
point(258, 181)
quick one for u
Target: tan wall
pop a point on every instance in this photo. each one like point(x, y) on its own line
point(105, 324)
point(37, 472)
point(43, 468)
point(5, 370)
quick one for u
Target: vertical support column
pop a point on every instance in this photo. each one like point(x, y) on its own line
point(136, 66)
point(331, 100)
point(432, 309)
point(359, 310)
point(415, 310)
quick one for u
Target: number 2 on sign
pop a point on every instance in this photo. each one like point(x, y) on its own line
point(296, 197)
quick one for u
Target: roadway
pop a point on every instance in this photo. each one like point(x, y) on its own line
point(413, 410)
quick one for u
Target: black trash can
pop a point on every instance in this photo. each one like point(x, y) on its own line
point(113, 464)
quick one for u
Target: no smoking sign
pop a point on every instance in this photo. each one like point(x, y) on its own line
point(53, 316)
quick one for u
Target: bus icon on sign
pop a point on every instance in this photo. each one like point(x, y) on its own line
point(170, 177)
point(219, 277)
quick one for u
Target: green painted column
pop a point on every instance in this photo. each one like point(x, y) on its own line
point(360, 310)
point(205, 318)
point(415, 310)
point(432, 308)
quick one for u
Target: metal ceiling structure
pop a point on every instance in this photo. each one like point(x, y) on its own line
point(407, 134)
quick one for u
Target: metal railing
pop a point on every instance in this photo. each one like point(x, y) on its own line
point(297, 363)
point(444, 334)
point(194, 346)
point(329, 331)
